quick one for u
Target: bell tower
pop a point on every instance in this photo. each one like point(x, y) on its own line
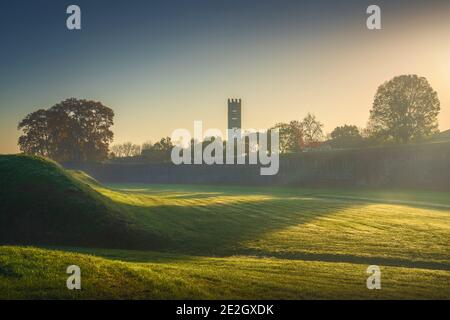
point(234, 114)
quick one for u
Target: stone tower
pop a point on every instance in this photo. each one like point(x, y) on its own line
point(234, 114)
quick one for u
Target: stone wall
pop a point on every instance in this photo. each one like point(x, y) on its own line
point(425, 166)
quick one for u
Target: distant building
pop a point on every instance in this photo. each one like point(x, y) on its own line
point(234, 116)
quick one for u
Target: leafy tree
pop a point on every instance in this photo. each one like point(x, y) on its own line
point(346, 136)
point(404, 109)
point(312, 130)
point(290, 136)
point(158, 152)
point(36, 138)
point(70, 130)
point(165, 144)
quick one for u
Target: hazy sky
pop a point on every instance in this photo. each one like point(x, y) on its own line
point(160, 65)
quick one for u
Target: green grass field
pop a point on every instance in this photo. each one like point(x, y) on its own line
point(244, 243)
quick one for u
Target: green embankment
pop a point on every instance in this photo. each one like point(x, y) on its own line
point(41, 203)
point(216, 242)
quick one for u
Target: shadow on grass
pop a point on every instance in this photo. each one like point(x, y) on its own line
point(196, 196)
point(137, 256)
point(347, 258)
point(8, 272)
point(217, 229)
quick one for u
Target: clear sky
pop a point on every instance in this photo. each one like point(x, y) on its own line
point(160, 65)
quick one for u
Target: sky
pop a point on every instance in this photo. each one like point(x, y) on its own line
point(161, 65)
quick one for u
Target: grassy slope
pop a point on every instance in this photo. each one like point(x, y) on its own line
point(43, 204)
point(231, 242)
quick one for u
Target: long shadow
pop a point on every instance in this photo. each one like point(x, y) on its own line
point(348, 258)
point(218, 229)
point(137, 256)
point(195, 196)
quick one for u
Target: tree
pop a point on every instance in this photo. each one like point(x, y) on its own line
point(404, 109)
point(346, 136)
point(147, 145)
point(312, 129)
point(165, 145)
point(290, 136)
point(126, 149)
point(36, 138)
point(158, 152)
point(70, 130)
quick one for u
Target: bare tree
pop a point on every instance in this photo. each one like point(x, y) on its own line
point(148, 145)
point(126, 149)
point(311, 129)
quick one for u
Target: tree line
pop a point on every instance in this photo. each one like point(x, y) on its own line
point(404, 110)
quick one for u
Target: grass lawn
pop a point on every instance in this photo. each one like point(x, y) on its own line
point(252, 243)
point(367, 226)
point(125, 274)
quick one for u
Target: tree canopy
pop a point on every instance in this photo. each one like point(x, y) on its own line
point(346, 136)
point(72, 130)
point(404, 109)
point(290, 136)
point(159, 151)
point(296, 135)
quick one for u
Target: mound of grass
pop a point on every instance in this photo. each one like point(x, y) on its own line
point(41, 203)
